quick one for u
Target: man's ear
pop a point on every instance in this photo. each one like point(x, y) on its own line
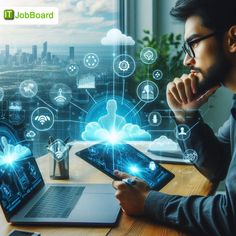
point(232, 39)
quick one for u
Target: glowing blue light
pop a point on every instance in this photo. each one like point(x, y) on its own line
point(134, 169)
point(9, 159)
point(113, 137)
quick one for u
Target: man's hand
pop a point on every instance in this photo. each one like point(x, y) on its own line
point(131, 197)
point(182, 95)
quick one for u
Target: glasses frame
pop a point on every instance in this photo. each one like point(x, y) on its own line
point(187, 46)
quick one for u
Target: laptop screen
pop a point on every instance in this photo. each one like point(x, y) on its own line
point(18, 182)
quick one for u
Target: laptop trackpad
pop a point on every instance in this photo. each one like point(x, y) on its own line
point(96, 208)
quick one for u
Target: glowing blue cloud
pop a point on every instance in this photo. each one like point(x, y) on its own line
point(10, 153)
point(129, 132)
point(94, 132)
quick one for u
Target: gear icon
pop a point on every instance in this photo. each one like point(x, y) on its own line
point(124, 65)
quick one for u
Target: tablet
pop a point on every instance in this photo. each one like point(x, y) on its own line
point(124, 157)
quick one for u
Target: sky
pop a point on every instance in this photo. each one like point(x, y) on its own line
point(80, 22)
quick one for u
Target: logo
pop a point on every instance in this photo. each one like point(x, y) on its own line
point(9, 14)
point(29, 16)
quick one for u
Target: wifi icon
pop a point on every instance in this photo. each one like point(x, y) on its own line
point(42, 119)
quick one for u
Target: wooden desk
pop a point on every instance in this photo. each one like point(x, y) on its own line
point(187, 181)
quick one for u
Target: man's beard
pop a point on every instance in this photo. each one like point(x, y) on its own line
point(216, 75)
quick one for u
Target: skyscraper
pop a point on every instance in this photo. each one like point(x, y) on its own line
point(34, 52)
point(72, 53)
point(45, 49)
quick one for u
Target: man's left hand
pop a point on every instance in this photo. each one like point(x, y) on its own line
point(131, 197)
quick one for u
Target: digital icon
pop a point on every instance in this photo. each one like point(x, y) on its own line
point(60, 94)
point(28, 88)
point(29, 135)
point(157, 74)
point(15, 105)
point(152, 166)
point(59, 149)
point(147, 91)
point(1, 94)
point(190, 155)
point(148, 55)
point(72, 69)
point(182, 132)
point(86, 81)
point(91, 60)
point(124, 65)
point(42, 119)
point(16, 113)
point(155, 118)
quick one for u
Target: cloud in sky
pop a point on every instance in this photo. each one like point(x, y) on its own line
point(80, 22)
point(129, 132)
point(115, 37)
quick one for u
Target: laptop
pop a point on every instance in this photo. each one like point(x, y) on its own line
point(27, 200)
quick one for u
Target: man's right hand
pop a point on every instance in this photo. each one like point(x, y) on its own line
point(182, 96)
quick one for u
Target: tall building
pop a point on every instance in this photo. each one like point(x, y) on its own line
point(45, 49)
point(7, 50)
point(34, 53)
point(72, 53)
point(7, 54)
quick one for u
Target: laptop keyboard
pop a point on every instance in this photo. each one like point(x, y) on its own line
point(56, 202)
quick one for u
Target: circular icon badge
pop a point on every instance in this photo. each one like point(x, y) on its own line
point(190, 155)
point(42, 119)
point(124, 65)
point(60, 94)
point(157, 74)
point(148, 55)
point(1, 94)
point(72, 69)
point(154, 118)
point(91, 60)
point(182, 132)
point(28, 88)
point(147, 91)
point(30, 134)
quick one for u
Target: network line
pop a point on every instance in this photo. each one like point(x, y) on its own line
point(90, 96)
point(46, 103)
point(79, 107)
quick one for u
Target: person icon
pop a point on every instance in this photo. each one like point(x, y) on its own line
point(182, 132)
point(147, 93)
point(111, 121)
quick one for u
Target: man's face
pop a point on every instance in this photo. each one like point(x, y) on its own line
point(210, 62)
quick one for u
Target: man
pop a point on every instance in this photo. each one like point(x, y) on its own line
point(210, 54)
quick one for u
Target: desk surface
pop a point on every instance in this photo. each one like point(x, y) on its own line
point(187, 181)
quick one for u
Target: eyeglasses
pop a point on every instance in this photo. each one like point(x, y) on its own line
point(187, 46)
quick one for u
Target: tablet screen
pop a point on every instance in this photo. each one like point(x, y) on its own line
point(124, 157)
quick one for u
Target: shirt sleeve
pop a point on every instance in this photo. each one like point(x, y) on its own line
point(214, 151)
point(213, 215)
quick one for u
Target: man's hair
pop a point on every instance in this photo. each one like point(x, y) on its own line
point(215, 14)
